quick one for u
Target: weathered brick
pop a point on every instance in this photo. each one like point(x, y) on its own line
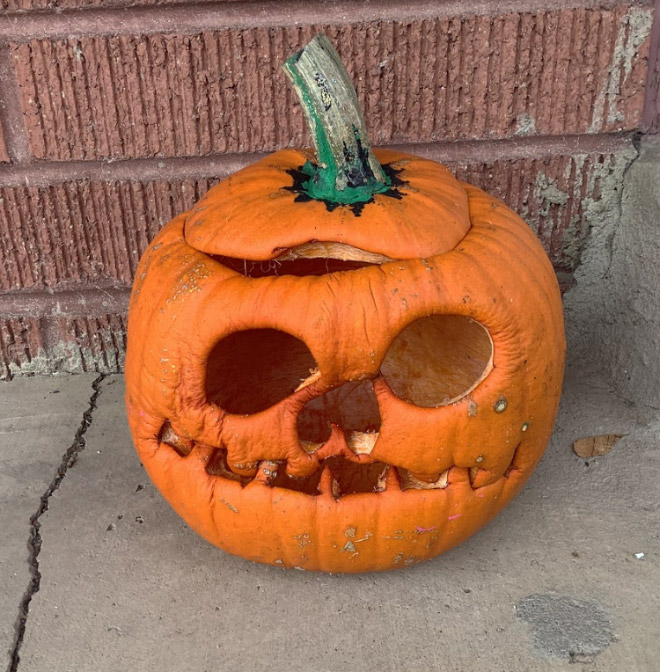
point(553, 72)
point(560, 197)
point(82, 233)
point(61, 344)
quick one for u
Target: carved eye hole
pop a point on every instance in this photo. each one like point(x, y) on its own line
point(437, 360)
point(249, 371)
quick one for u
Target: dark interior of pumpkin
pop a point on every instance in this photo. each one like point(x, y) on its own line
point(311, 258)
point(299, 267)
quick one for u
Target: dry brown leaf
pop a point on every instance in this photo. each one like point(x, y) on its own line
point(595, 446)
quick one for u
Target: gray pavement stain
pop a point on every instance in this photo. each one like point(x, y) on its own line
point(566, 627)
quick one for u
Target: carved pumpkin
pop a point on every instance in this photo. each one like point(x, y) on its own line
point(346, 365)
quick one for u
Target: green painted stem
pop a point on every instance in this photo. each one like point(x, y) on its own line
point(346, 170)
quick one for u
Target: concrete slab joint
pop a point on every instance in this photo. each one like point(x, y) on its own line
point(34, 541)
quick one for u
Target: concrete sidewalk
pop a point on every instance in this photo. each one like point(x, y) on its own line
point(110, 578)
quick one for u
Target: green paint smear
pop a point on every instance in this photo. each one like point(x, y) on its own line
point(321, 186)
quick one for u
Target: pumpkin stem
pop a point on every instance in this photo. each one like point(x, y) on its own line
point(346, 170)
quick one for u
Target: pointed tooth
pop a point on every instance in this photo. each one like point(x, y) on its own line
point(361, 443)
point(314, 375)
point(443, 480)
point(327, 482)
point(410, 481)
point(392, 479)
point(172, 439)
point(309, 447)
point(383, 479)
point(267, 472)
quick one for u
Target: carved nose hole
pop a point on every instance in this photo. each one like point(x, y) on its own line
point(353, 407)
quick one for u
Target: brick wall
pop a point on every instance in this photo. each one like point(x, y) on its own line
point(117, 115)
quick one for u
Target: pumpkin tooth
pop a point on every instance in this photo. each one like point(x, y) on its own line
point(381, 483)
point(392, 479)
point(310, 447)
point(410, 481)
point(328, 484)
point(267, 472)
point(481, 477)
point(361, 443)
point(172, 439)
point(459, 475)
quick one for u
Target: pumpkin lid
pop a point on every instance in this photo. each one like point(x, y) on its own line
point(339, 202)
point(261, 212)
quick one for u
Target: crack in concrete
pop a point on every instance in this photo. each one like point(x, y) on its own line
point(34, 542)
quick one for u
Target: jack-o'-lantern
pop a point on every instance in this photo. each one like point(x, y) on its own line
point(342, 361)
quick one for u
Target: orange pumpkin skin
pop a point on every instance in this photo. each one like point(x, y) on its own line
point(455, 251)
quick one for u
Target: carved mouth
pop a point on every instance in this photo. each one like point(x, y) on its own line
point(337, 475)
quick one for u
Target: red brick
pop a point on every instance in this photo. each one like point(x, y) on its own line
point(61, 344)
point(553, 72)
point(81, 232)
